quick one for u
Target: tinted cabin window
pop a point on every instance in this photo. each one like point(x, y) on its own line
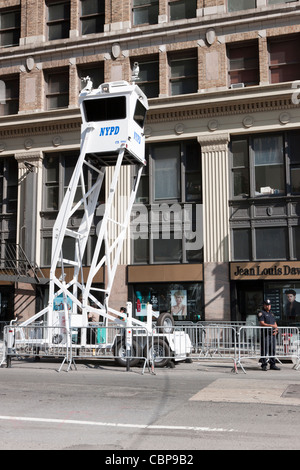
point(139, 114)
point(105, 109)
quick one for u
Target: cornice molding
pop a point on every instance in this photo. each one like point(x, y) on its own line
point(209, 105)
point(39, 129)
point(201, 111)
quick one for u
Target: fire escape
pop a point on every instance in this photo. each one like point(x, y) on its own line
point(15, 266)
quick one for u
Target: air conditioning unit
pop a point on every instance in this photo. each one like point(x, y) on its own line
point(237, 85)
point(142, 200)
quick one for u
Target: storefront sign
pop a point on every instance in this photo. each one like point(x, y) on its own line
point(263, 270)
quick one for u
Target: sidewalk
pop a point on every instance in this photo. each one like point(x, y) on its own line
point(255, 386)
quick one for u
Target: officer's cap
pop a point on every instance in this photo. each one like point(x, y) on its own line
point(267, 302)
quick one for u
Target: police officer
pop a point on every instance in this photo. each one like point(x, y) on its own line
point(268, 337)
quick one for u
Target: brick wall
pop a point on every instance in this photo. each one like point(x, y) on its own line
point(212, 59)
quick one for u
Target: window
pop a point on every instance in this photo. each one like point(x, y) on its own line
point(95, 73)
point(10, 24)
point(10, 90)
point(8, 201)
point(92, 16)
point(139, 114)
point(269, 165)
point(284, 56)
point(180, 9)
point(294, 145)
point(162, 296)
point(145, 11)
point(57, 95)
point(8, 185)
point(273, 2)
point(265, 167)
point(51, 165)
point(111, 108)
point(243, 64)
point(166, 160)
point(271, 243)
point(296, 242)
point(183, 73)
point(167, 223)
point(58, 170)
point(259, 159)
point(240, 165)
point(236, 5)
point(149, 76)
point(241, 244)
point(58, 19)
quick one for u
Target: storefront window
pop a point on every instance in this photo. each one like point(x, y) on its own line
point(284, 296)
point(285, 300)
point(184, 301)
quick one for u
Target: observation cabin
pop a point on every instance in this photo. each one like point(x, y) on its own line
point(114, 114)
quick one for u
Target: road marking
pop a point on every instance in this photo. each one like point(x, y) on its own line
point(116, 425)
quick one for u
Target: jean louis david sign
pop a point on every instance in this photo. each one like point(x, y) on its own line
point(265, 270)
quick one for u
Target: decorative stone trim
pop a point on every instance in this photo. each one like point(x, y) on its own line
point(206, 111)
point(39, 129)
point(214, 142)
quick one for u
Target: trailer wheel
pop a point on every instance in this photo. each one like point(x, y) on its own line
point(166, 321)
point(159, 350)
point(120, 354)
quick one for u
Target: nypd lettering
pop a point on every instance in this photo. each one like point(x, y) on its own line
point(137, 137)
point(112, 130)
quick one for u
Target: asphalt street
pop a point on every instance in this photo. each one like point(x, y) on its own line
point(194, 406)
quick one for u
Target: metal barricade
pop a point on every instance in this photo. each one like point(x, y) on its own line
point(126, 345)
point(35, 340)
point(257, 342)
point(219, 341)
point(168, 345)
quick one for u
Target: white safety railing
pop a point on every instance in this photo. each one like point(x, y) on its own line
point(163, 345)
point(126, 345)
point(266, 343)
point(36, 341)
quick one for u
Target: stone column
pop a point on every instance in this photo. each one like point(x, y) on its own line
point(30, 195)
point(216, 237)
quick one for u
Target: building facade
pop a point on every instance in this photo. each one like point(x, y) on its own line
point(216, 223)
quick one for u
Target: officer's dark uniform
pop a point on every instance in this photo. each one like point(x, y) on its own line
point(268, 338)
